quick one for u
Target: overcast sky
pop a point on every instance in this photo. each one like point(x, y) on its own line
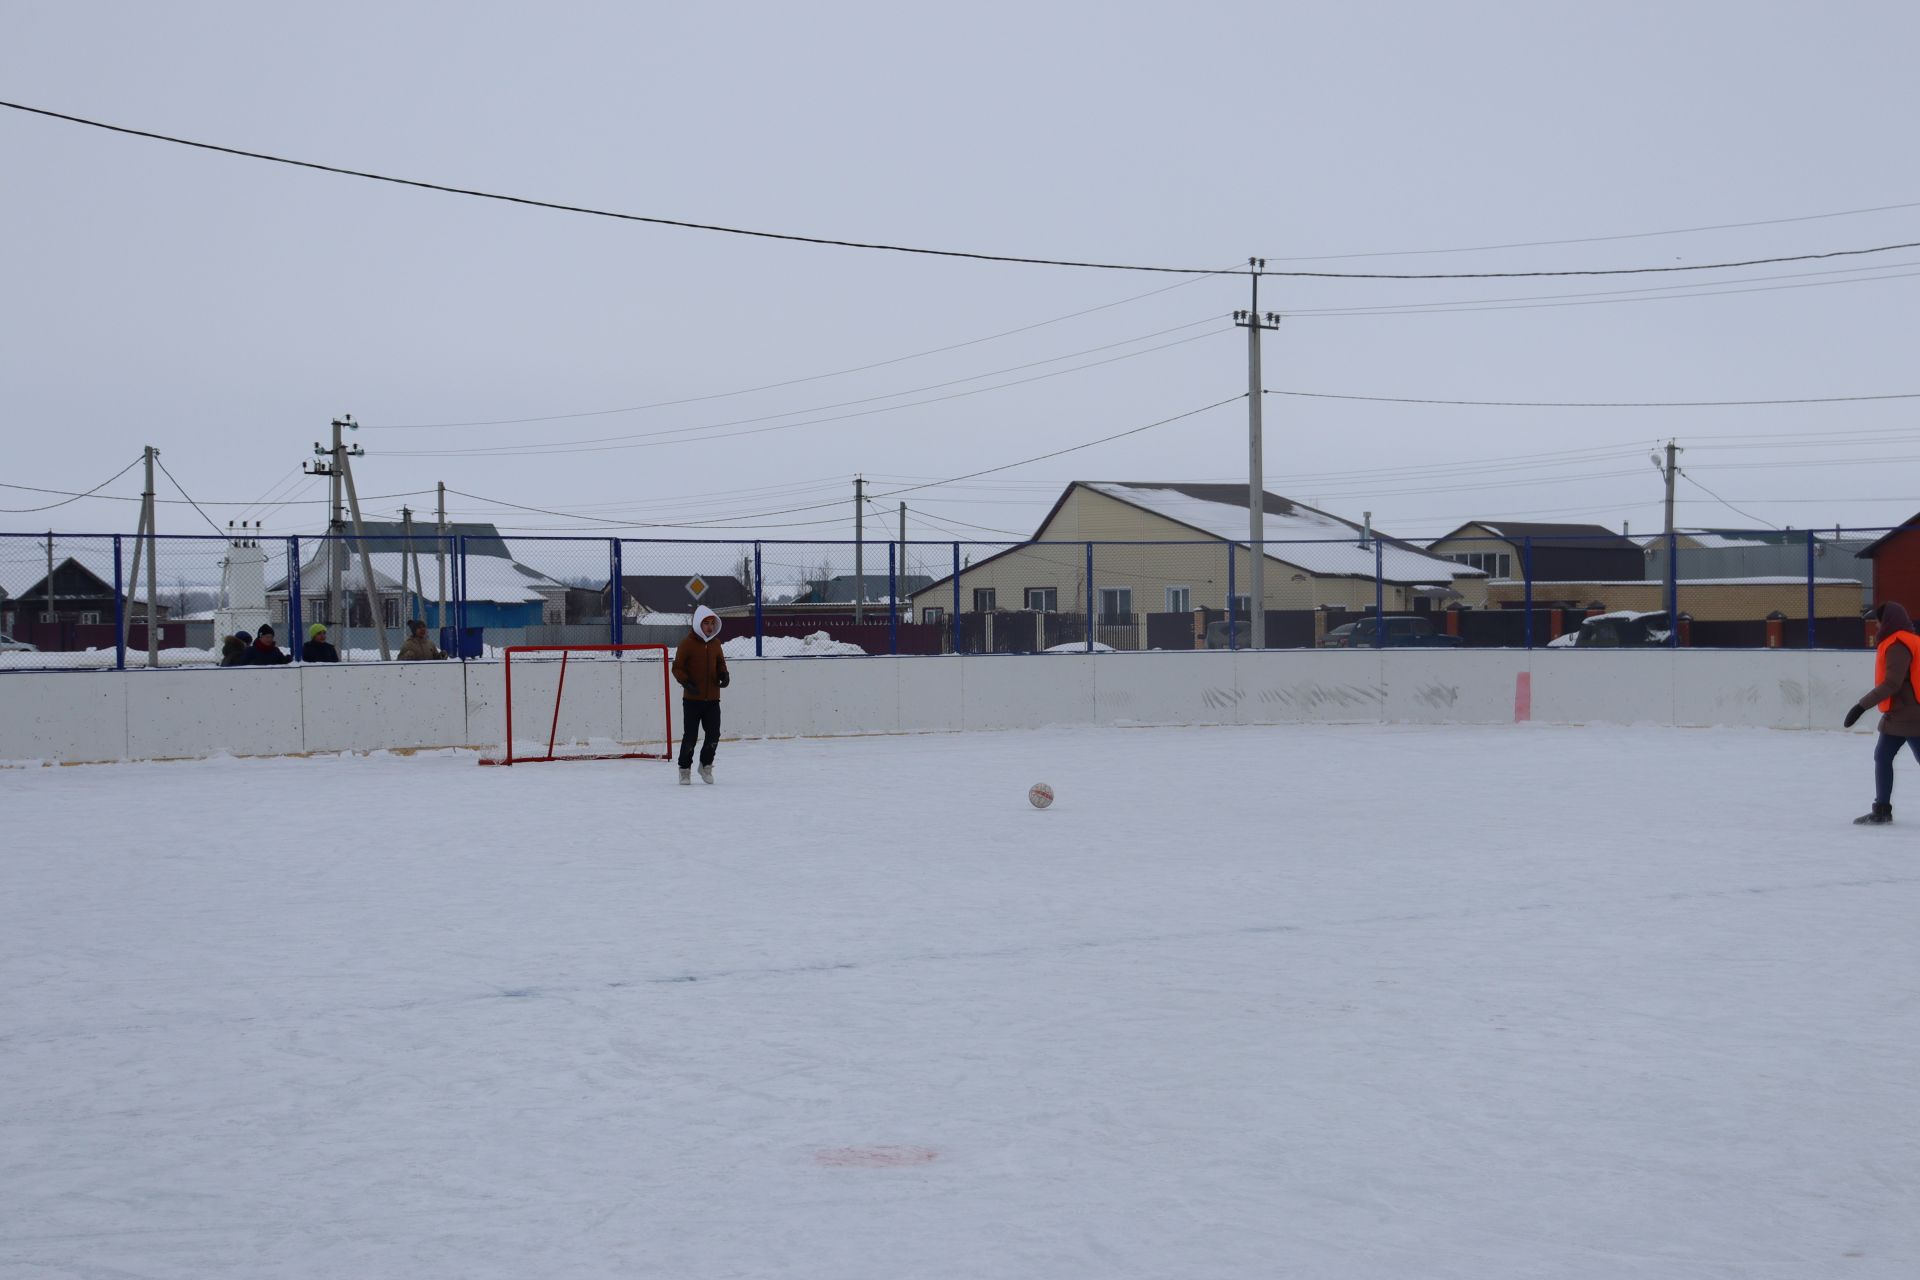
point(225, 309)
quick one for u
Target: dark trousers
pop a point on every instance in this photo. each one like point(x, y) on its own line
point(1883, 753)
point(698, 716)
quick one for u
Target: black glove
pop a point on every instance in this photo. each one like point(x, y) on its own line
point(724, 679)
point(1853, 714)
point(688, 687)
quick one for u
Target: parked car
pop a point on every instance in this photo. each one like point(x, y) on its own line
point(9, 645)
point(1406, 631)
point(1340, 637)
point(1623, 629)
point(1242, 633)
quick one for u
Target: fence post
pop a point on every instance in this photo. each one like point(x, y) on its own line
point(893, 599)
point(1232, 641)
point(1673, 589)
point(956, 599)
point(295, 615)
point(1810, 555)
point(616, 597)
point(1526, 572)
point(1090, 598)
point(460, 592)
point(1379, 592)
point(759, 603)
point(119, 611)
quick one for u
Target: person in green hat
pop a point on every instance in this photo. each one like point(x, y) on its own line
point(316, 649)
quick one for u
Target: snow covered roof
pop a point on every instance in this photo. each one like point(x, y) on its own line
point(490, 579)
point(1330, 546)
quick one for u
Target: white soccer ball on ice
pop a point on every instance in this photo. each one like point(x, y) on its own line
point(1040, 795)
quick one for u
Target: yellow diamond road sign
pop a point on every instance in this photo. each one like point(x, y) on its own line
point(696, 586)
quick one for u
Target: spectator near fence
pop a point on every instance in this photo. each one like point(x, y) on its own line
point(1895, 662)
point(418, 648)
point(233, 650)
point(317, 649)
point(264, 653)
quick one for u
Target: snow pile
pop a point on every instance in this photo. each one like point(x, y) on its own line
point(102, 659)
point(817, 645)
point(1080, 646)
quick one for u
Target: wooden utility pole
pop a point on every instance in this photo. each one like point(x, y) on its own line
point(1253, 322)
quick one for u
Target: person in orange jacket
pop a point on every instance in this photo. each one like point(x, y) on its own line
point(700, 665)
point(1895, 664)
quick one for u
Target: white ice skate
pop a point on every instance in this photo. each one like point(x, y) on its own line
point(706, 774)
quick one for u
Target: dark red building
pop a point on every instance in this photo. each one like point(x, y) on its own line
point(1896, 565)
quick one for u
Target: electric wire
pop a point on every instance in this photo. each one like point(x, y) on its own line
point(907, 249)
point(71, 497)
point(1722, 501)
point(1595, 404)
point(189, 497)
point(651, 439)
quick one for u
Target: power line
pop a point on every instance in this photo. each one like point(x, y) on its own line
point(183, 502)
point(651, 439)
point(189, 497)
point(1722, 501)
point(844, 404)
point(71, 497)
point(1632, 235)
point(939, 253)
point(1595, 404)
point(794, 382)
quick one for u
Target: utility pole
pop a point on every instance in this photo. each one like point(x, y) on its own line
point(1253, 322)
point(440, 556)
point(368, 578)
point(334, 468)
point(1670, 470)
point(52, 617)
point(859, 550)
point(141, 539)
point(406, 554)
point(903, 542)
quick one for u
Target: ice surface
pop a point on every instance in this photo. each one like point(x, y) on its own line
point(1339, 1003)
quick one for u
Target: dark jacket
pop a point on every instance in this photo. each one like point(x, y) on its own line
point(699, 664)
point(233, 652)
point(318, 651)
point(1903, 719)
point(265, 654)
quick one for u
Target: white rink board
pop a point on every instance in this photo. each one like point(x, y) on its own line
point(73, 715)
point(94, 716)
point(407, 705)
point(244, 711)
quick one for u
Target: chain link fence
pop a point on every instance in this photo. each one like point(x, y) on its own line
point(77, 601)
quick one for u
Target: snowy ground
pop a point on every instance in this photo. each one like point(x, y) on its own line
point(1351, 1003)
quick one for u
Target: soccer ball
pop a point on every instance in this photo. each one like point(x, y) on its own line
point(1040, 795)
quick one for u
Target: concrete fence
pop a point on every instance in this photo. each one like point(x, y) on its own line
point(168, 714)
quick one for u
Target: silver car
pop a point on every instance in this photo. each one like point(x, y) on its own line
point(9, 645)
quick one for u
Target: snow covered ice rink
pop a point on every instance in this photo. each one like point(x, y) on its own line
point(1339, 1003)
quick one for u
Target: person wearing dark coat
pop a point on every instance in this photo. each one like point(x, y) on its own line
point(316, 649)
point(700, 665)
point(233, 653)
point(1896, 661)
point(265, 653)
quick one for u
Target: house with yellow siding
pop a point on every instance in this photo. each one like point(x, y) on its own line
point(1165, 547)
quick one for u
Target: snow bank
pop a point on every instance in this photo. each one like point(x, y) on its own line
point(817, 645)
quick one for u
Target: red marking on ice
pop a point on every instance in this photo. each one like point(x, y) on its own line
point(1523, 697)
point(874, 1157)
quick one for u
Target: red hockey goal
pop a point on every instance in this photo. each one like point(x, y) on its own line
point(617, 707)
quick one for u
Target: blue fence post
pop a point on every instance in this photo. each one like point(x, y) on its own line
point(120, 611)
point(957, 633)
point(460, 591)
point(1673, 589)
point(1810, 600)
point(759, 603)
point(1232, 640)
point(1379, 592)
point(1091, 598)
point(616, 596)
point(1526, 572)
point(893, 599)
point(295, 614)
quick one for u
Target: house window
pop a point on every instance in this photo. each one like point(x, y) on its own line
point(1179, 599)
point(89, 619)
point(983, 600)
point(1498, 564)
point(1116, 606)
point(1043, 599)
point(1242, 606)
point(933, 617)
point(390, 610)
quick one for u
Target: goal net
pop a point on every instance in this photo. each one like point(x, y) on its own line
point(585, 702)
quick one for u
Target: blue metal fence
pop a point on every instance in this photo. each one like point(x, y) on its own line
point(77, 601)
